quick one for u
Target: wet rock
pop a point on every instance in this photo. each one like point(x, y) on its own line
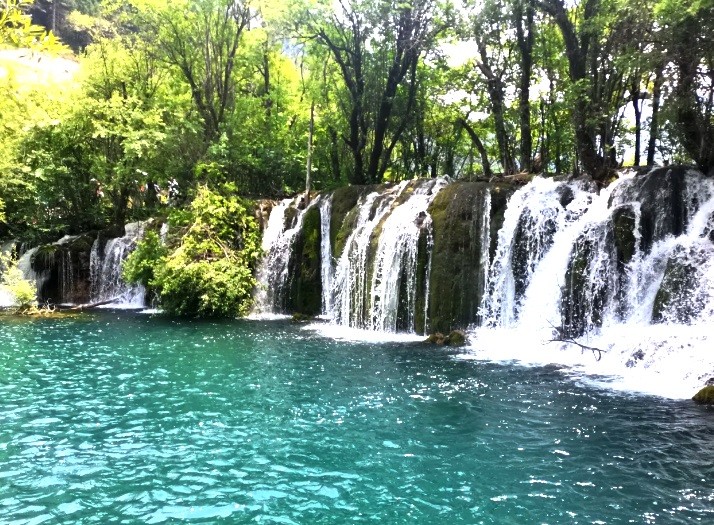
point(680, 298)
point(638, 355)
point(299, 317)
point(664, 202)
point(65, 267)
point(456, 279)
point(624, 224)
point(455, 338)
point(305, 282)
point(705, 396)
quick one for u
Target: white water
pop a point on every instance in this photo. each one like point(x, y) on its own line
point(105, 270)
point(668, 359)
point(369, 290)
point(350, 302)
point(327, 268)
point(273, 272)
point(544, 224)
point(395, 259)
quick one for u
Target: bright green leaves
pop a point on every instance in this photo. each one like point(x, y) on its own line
point(207, 269)
point(17, 29)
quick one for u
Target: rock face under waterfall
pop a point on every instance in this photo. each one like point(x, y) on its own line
point(467, 217)
point(434, 255)
point(84, 268)
point(62, 270)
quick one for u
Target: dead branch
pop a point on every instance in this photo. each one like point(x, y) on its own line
point(597, 352)
point(87, 306)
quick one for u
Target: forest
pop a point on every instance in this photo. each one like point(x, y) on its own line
point(118, 111)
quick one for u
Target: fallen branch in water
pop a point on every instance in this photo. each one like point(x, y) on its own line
point(87, 306)
point(597, 352)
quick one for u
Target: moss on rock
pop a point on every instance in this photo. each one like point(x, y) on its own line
point(65, 266)
point(677, 298)
point(306, 283)
point(624, 225)
point(705, 396)
point(582, 301)
point(456, 280)
point(455, 338)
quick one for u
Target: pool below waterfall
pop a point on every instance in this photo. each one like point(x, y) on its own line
point(127, 418)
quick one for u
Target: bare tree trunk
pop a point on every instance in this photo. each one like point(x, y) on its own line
point(635, 90)
point(495, 88)
point(479, 146)
point(308, 168)
point(525, 35)
point(654, 122)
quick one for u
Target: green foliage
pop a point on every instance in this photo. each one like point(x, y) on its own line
point(208, 271)
point(17, 29)
point(22, 291)
point(140, 265)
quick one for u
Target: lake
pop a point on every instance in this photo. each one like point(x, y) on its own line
point(118, 417)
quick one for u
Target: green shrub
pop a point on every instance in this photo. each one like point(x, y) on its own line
point(207, 268)
point(140, 265)
point(23, 291)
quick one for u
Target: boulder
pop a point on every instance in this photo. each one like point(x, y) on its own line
point(455, 338)
point(705, 396)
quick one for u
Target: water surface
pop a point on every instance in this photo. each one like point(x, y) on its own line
point(121, 418)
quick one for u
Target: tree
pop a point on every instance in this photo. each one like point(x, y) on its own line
point(201, 38)
point(377, 46)
point(523, 19)
point(17, 29)
point(687, 30)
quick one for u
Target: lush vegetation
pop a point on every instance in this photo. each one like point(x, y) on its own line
point(155, 106)
point(13, 286)
point(205, 267)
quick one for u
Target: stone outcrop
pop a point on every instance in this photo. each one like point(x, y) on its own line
point(456, 281)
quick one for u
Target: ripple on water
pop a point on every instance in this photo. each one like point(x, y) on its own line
point(158, 421)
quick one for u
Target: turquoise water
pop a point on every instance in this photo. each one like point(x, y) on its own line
point(122, 418)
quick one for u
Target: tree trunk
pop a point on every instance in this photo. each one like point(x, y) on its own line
point(334, 153)
point(576, 50)
point(654, 122)
point(308, 167)
point(479, 146)
point(635, 90)
point(495, 88)
point(525, 36)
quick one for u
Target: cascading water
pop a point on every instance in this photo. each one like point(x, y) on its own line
point(536, 215)
point(350, 303)
point(105, 270)
point(394, 272)
point(278, 239)
point(628, 271)
point(327, 269)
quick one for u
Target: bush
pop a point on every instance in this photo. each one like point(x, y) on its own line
point(207, 268)
point(24, 292)
point(139, 266)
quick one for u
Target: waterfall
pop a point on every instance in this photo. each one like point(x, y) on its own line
point(394, 271)
point(24, 263)
point(537, 215)
point(284, 225)
point(628, 270)
point(326, 263)
point(349, 305)
point(484, 262)
point(105, 270)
